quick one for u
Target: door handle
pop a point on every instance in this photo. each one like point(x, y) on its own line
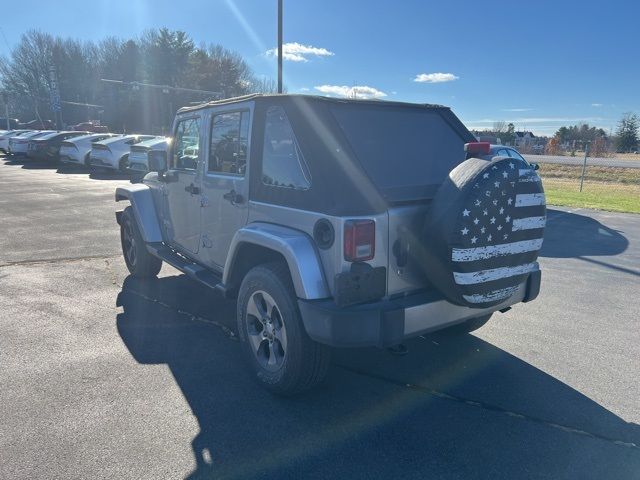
point(233, 197)
point(192, 189)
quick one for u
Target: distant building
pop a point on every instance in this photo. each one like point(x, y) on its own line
point(486, 136)
point(524, 139)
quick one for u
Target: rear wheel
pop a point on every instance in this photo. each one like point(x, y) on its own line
point(282, 356)
point(139, 261)
point(123, 164)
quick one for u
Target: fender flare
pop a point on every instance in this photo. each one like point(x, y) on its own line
point(295, 246)
point(144, 210)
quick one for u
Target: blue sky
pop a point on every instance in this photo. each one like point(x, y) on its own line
point(540, 64)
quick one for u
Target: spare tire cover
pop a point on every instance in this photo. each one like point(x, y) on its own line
point(484, 231)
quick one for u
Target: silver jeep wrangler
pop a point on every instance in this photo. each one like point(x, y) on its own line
point(336, 223)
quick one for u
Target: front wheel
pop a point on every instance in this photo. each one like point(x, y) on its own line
point(139, 261)
point(282, 356)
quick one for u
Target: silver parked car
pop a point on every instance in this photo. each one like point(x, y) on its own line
point(76, 150)
point(113, 153)
point(335, 222)
point(139, 154)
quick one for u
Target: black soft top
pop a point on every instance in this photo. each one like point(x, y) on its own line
point(261, 97)
point(342, 180)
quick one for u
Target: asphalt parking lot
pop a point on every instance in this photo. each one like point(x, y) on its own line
point(104, 376)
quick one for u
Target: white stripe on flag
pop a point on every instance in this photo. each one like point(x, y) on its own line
point(491, 296)
point(472, 278)
point(528, 175)
point(528, 223)
point(490, 251)
point(529, 199)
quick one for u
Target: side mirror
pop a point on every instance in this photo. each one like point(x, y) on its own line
point(157, 161)
point(535, 166)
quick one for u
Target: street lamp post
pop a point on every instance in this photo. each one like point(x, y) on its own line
point(279, 46)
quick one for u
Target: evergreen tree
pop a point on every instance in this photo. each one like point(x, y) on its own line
point(627, 133)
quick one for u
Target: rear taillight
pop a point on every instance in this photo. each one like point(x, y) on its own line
point(474, 148)
point(359, 240)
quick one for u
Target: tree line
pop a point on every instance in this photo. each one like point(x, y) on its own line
point(577, 137)
point(159, 56)
point(625, 139)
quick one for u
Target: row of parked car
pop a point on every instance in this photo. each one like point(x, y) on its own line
point(122, 152)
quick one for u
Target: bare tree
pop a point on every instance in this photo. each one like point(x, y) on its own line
point(266, 85)
point(499, 127)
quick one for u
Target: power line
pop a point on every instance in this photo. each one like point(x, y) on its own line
point(164, 88)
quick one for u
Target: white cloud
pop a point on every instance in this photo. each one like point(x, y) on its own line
point(517, 109)
point(435, 77)
point(596, 105)
point(304, 89)
point(358, 91)
point(296, 52)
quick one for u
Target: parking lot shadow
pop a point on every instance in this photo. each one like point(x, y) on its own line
point(29, 164)
point(108, 175)
point(454, 407)
point(569, 235)
point(65, 169)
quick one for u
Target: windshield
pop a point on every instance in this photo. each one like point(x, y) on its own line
point(401, 146)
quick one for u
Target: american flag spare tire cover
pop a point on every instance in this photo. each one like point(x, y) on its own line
point(484, 231)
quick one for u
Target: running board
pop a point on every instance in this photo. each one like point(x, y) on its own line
point(193, 270)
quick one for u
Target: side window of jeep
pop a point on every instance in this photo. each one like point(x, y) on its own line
point(186, 148)
point(282, 162)
point(229, 143)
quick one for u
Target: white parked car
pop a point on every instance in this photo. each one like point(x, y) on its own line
point(113, 153)
point(4, 138)
point(138, 156)
point(18, 144)
point(76, 150)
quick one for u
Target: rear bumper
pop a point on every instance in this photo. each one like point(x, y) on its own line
point(40, 155)
point(70, 158)
point(389, 322)
point(102, 162)
point(137, 168)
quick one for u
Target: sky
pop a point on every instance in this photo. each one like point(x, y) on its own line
point(539, 64)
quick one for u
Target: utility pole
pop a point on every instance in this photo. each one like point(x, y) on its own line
point(279, 46)
point(584, 164)
point(55, 96)
point(5, 98)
